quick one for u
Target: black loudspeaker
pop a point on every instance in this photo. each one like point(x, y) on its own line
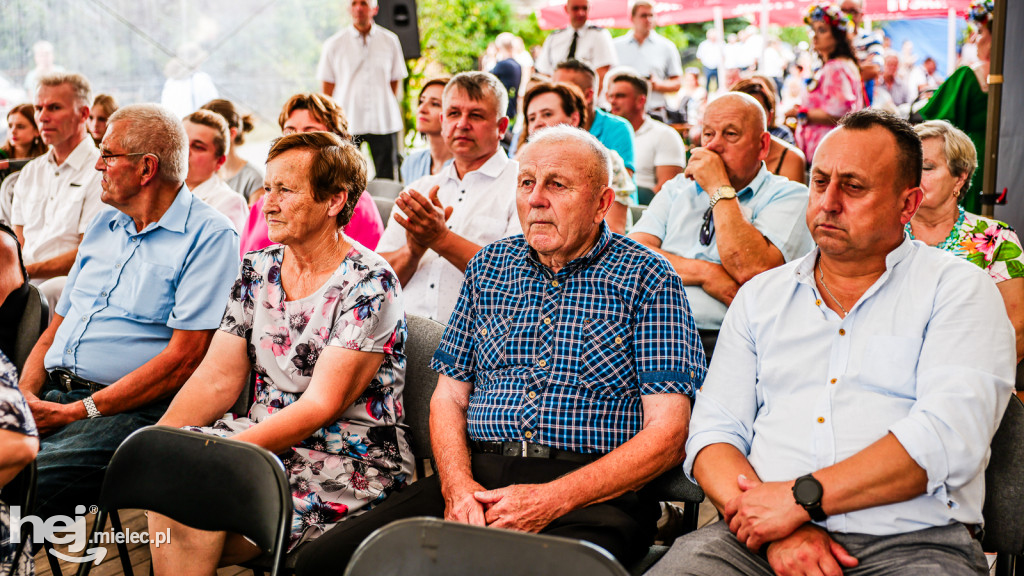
point(399, 16)
point(1010, 168)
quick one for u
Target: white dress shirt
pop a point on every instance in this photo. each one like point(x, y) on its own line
point(484, 210)
point(362, 73)
point(55, 204)
point(657, 58)
point(594, 47)
point(225, 200)
point(927, 353)
point(656, 144)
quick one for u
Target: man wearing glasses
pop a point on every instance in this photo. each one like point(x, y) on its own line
point(142, 300)
point(725, 219)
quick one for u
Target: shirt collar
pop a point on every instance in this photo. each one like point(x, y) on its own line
point(371, 33)
point(492, 168)
point(173, 219)
point(805, 266)
point(79, 157)
point(604, 238)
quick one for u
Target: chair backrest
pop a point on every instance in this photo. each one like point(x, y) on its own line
point(7, 197)
point(384, 206)
point(202, 481)
point(432, 547)
point(383, 188)
point(1004, 485)
point(420, 380)
point(636, 212)
point(34, 320)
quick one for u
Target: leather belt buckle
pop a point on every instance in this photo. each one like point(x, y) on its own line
point(65, 380)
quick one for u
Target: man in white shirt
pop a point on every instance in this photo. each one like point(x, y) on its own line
point(710, 53)
point(443, 220)
point(57, 194)
point(847, 415)
point(652, 55)
point(208, 141)
point(579, 41)
point(361, 67)
point(658, 151)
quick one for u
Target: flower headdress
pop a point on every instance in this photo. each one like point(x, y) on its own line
point(980, 12)
point(831, 15)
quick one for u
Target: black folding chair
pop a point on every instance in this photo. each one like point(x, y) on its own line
point(202, 481)
point(1004, 491)
point(21, 492)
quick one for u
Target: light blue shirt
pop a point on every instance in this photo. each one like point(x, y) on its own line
point(417, 165)
point(773, 204)
point(657, 57)
point(616, 134)
point(927, 353)
point(128, 291)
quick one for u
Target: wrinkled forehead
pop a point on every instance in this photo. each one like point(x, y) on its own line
point(455, 98)
point(865, 154)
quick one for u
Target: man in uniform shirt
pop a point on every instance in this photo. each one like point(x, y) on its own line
point(579, 41)
point(143, 298)
point(441, 221)
point(57, 194)
point(652, 55)
point(361, 67)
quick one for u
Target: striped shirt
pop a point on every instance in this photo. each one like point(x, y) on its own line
point(564, 359)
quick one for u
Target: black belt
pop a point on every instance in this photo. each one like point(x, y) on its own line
point(523, 449)
point(68, 381)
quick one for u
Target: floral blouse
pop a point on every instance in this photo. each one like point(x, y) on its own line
point(988, 244)
point(15, 416)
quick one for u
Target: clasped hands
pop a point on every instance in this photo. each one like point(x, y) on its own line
point(425, 219)
point(766, 514)
point(522, 507)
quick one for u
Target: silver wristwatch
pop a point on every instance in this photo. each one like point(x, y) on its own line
point(723, 193)
point(90, 408)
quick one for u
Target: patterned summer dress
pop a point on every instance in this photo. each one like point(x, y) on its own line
point(354, 463)
point(15, 416)
point(989, 244)
point(835, 88)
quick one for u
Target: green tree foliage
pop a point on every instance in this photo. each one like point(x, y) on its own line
point(454, 33)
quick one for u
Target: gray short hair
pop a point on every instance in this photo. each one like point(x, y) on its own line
point(476, 85)
point(957, 147)
point(153, 129)
point(599, 170)
point(78, 83)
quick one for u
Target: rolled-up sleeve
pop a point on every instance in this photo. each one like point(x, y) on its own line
point(669, 356)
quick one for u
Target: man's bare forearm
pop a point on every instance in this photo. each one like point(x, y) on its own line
point(33, 375)
point(404, 262)
point(59, 265)
point(744, 251)
point(716, 468)
point(450, 438)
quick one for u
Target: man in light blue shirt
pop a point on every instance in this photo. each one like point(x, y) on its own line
point(726, 218)
point(140, 305)
point(652, 56)
point(846, 418)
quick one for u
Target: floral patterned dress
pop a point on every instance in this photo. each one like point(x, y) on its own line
point(835, 88)
point(15, 416)
point(986, 243)
point(352, 464)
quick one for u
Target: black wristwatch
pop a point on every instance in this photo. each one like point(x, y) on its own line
point(808, 492)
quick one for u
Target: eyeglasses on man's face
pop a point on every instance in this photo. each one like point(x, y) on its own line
point(106, 158)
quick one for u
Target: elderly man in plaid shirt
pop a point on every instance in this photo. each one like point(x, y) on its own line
point(565, 373)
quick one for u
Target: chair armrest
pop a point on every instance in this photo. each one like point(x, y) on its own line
point(674, 486)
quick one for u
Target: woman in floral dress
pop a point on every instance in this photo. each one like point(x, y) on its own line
point(321, 322)
point(836, 88)
point(19, 443)
point(949, 162)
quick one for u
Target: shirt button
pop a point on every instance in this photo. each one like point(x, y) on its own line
point(528, 435)
point(842, 332)
point(554, 283)
point(532, 395)
point(547, 321)
point(460, 199)
point(104, 293)
point(821, 420)
point(542, 363)
point(85, 317)
point(483, 331)
point(68, 351)
point(832, 381)
point(817, 302)
point(618, 339)
point(431, 286)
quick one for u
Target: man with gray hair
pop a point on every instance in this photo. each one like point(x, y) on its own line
point(441, 221)
point(725, 219)
point(566, 374)
point(142, 300)
point(57, 194)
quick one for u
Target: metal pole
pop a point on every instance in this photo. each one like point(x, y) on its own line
point(720, 26)
point(995, 104)
point(951, 42)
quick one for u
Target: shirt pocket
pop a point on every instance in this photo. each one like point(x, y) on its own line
point(491, 334)
point(607, 367)
point(889, 365)
point(146, 292)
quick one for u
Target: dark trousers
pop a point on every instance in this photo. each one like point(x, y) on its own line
point(384, 151)
point(624, 526)
point(72, 460)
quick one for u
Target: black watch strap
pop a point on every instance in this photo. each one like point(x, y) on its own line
point(808, 492)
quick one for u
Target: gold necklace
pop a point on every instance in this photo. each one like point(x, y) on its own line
point(821, 277)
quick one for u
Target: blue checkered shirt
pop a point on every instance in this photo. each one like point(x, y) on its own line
point(564, 359)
